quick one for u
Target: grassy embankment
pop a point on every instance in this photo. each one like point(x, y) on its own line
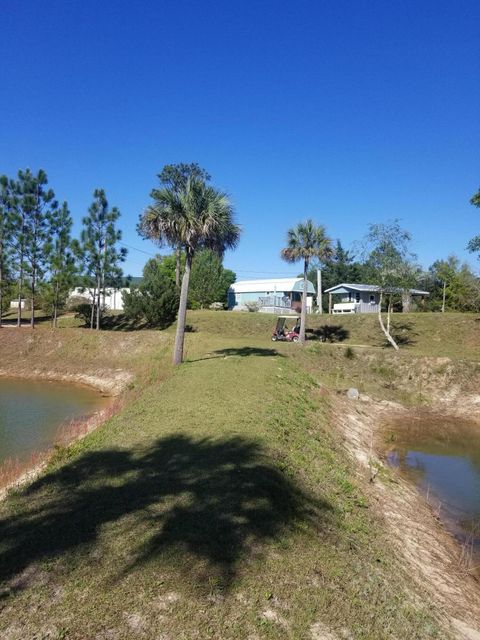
point(218, 503)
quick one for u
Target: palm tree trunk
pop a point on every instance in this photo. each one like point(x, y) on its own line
point(182, 311)
point(178, 254)
point(303, 317)
point(382, 326)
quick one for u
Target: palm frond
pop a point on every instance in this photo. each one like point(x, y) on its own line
point(306, 241)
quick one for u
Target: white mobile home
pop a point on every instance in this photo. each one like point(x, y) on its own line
point(272, 295)
point(113, 299)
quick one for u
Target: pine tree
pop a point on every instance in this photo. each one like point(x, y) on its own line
point(60, 261)
point(36, 207)
point(6, 233)
point(98, 252)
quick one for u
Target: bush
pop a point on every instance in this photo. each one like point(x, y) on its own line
point(252, 306)
point(83, 311)
point(75, 301)
point(349, 353)
point(156, 299)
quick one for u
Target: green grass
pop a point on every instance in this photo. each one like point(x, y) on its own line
point(218, 503)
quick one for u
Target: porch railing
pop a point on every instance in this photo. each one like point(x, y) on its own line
point(283, 302)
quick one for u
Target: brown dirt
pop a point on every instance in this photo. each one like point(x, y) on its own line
point(415, 533)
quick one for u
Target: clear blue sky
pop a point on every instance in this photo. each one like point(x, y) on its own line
point(349, 112)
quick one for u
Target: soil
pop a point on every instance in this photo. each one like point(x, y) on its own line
point(429, 550)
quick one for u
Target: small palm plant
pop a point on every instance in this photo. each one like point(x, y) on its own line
point(304, 242)
point(198, 216)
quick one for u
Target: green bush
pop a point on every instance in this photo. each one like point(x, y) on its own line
point(83, 311)
point(155, 300)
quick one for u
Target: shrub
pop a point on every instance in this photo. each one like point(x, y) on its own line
point(349, 353)
point(83, 311)
point(156, 299)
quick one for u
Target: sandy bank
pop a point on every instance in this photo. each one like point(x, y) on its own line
point(431, 554)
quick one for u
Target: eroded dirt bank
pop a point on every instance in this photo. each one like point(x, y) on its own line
point(415, 533)
point(108, 361)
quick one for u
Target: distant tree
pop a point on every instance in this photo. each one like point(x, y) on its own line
point(156, 298)
point(6, 234)
point(391, 265)
point(209, 280)
point(305, 242)
point(37, 207)
point(339, 267)
point(474, 244)
point(60, 263)
point(197, 217)
point(453, 286)
point(175, 177)
point(17, 222)
point(98, 253)
point(168, 265)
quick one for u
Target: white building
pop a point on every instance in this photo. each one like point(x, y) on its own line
point(113, 297)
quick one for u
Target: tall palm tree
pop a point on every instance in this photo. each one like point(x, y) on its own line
point(196, 217)
point(304, 242)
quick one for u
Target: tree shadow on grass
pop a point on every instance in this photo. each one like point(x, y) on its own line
point(243, 352)
point(403, 333)
point(194, 502)
point(120, 322)
point(329, 333)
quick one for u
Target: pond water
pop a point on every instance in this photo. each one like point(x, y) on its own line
point(32, 412)
point(442, 457)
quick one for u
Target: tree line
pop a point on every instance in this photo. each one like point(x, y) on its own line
point(39, 259)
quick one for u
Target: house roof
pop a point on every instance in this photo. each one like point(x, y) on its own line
point(352, 287)
point(345, 287)
point(273, 285)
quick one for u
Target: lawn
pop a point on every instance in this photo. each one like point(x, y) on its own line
point(219, 503)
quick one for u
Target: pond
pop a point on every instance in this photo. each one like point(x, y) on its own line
point(32, 412)
point(442, 456)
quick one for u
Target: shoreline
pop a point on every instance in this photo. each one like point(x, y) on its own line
point(428, 548)
point(112, 385)
point(68, 434)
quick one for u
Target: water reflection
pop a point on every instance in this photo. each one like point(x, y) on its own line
point(442, 457)
point(31, 413)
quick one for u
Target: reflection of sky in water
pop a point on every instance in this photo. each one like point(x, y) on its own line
point(31, 413)
point(451, 481)
point(454, 480)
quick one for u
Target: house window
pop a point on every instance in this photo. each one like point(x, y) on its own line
point(357, 296)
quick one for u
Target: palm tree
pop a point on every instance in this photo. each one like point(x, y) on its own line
point(196, 217)
point(304, 242)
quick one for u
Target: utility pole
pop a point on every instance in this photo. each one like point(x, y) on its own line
point(319, 290)
point(444, 292)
